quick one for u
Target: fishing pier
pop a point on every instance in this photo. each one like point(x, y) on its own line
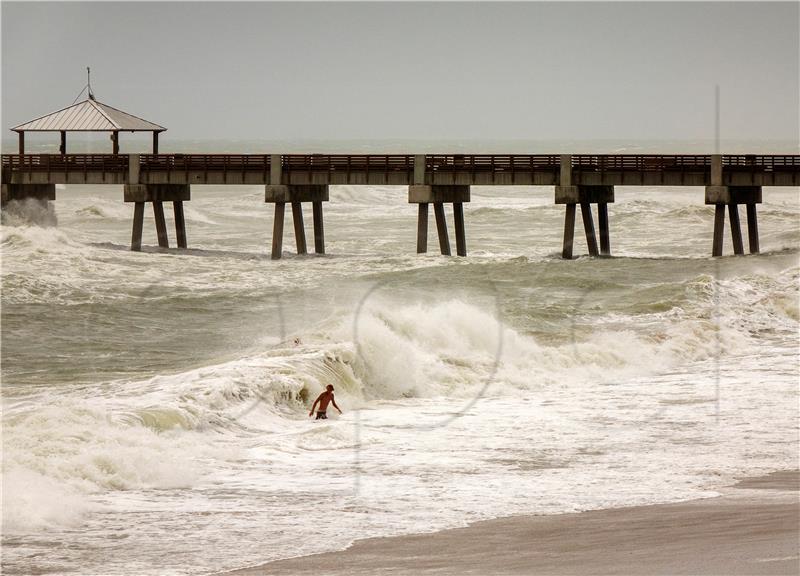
point(578, 180)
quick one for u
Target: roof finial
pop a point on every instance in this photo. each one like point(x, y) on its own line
point(89, 82)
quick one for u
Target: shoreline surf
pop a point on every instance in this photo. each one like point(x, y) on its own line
point(751, 528)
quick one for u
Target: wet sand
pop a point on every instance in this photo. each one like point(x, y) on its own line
point(751, 529)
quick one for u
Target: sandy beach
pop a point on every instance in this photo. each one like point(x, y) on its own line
point(751, 529)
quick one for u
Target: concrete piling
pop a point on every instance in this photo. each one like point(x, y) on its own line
point(602, 222)
point(731, 196)
point(441, 228)
point(161, 224)
point(277, 230)
point(422, 228)
point(296, 194)
point(157, 194)
point(736, 229)
point(180, 223)
point(571, 196)
point(569, 232)
point(299, 228)
point(461, 238)
point(138, 225)
point(319, 228)
point(588, 227)
point(719, 227)
point(752, 228)
point(439, 195)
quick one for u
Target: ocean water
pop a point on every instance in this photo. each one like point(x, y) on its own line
point(155, 404)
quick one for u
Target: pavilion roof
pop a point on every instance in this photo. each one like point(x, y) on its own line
point(89, 116)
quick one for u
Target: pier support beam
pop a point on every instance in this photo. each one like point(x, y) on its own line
point(138, 226)
point(41, 192)
point(736, 229)
point(571, 196)
point(602, 222)
point(439, 195)
point(296, 194)
point(732, 196)
point(569, 232)
point(319, 228)
point(441, 228)
point(752, 228)
point(588, 228)
point(422, 229)
point(180, 223)
point(161, 224)
point(277, 230)
point(299, 227)
point(719, 229)
point(157, 194)
point(461, 240)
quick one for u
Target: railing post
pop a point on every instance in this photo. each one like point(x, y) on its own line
point(133, 168)
point(275, 169)
point(716, 170)
point(419, 169)
point(566, 170)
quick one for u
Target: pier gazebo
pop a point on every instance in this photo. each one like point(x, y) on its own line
point(89, 116)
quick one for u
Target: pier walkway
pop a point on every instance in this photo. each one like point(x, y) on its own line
point(579, 180)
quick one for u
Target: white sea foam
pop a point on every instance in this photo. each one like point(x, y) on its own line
point(139, 434)
point(57, 454)
point(172, 391)
point(29, 212)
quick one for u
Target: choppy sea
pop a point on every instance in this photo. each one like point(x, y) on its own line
point(155, 404)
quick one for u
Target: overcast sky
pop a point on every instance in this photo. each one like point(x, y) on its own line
point(439, 71)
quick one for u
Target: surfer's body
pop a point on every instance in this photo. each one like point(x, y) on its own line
point(323, 400)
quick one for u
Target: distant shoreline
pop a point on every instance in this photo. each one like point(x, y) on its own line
point(752, 528)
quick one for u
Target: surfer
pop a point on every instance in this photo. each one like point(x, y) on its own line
point(323, 400)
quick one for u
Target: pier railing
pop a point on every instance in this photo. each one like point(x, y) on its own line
point(640, 162)
point(65, 162)
point(785, 163)
point(491, 162)
point(347, 163)
point(477, 169)
point(204, 164)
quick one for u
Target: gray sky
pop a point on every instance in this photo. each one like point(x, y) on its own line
point(439, 71)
